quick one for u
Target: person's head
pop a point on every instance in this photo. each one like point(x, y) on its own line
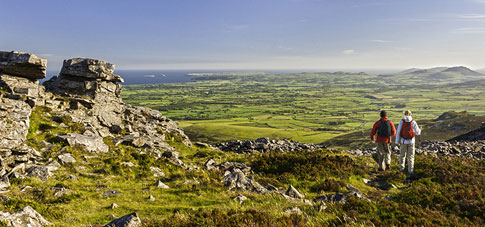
point(383, 113)
point(407, 113)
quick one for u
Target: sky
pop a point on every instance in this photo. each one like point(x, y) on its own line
point(250, 34)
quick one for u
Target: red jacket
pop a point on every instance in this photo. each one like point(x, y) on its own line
point(382, 139)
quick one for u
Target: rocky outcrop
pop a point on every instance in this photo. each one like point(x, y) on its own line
point(27, 216)
point(14, 125)
point(94, 94)
point(264, 144)
point(22, 64)
point(86, 92)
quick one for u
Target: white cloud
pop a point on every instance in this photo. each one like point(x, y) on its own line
point(381, 41)
point(348, 52)
point(469, 30)
point(472, 16)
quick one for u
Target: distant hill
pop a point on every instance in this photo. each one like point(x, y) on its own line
point(462, 70)
point(418, 71)
point(436, 75)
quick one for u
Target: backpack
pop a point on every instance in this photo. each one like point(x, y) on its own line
point(384, 129)
point(407, 130)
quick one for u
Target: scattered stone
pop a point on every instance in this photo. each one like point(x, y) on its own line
point(341, 197)
point(26, 188)
point(128, 164)
point(130, 220)
point(110, 193)
point(160, 184)
point(66, 158)
point(270, 187)
point(264, 145)
point(151, 198)
point(60, 191)
point(191, 182)
point(294, 210)
point(27, 216)
point(72, 177)
point(292, 192)
point(157, 172)
point(240, 198)
point(114, 206)
point(322, 206)
point(210, 164)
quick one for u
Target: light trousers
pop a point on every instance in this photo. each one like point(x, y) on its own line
point(384, 152)
point(407, 150)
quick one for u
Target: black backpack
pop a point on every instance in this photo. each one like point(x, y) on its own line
point(384, 129)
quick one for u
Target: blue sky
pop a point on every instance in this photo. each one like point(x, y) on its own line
point(250, 34)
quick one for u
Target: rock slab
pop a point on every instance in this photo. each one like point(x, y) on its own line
point(23, 64)
point(130, 220)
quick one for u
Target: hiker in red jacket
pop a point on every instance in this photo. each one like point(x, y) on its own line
point(384, 129)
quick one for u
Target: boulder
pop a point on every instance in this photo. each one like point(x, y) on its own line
point(91, 69)
point(160, 184)
point(110, 193)
point(292, 192)
point(151, 198)
point(27, 216)
point(114, 206)
point(240, 198)
point(90, 143)
point(66, 158)
point(23, 64)
point(236, 179)
point(41, 172)
point(130, 220)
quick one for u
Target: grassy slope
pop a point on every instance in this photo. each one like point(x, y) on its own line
point(430, 200)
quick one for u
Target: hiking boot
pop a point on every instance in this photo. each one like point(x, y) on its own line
point(380, 170)
point(388, 166)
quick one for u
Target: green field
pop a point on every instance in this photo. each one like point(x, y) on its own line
point(307, 107)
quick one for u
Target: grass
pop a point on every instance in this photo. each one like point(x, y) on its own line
point(444, 192)
point(307, 107)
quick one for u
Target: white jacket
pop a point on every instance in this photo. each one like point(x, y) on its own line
point(416, 129)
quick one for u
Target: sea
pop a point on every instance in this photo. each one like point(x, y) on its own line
point(173, 76)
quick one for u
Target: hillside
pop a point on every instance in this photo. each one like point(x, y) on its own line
point(437, 75)
point(73, 153)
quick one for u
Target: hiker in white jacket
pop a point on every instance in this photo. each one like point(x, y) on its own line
point(407, 145)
